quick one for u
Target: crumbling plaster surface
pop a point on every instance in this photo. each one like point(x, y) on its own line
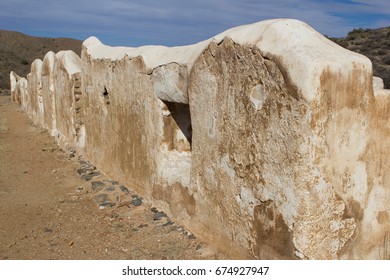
point(35, 106)
point(253, 156)
point(268, 140)
point(143, 145)
point(50, 95)
point(68, 103)
point(48, 92)
point(119, 103)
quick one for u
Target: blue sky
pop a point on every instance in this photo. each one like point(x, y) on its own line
point(175, 22)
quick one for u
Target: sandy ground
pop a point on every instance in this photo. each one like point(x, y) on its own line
point(47, 210)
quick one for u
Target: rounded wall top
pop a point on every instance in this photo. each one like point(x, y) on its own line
point(302, 52)
point(48, 63)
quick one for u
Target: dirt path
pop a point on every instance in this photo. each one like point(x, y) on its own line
point(46, 210)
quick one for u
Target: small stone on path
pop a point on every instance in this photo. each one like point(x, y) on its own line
point(106, 203)
point(124, 189)
point(136, 200)
point(169, 223)
point(100, 198)
point(159, 215)
point(111, 182)
point(88, 177)
point(98, 185)
point(191, 236)
point(47, 230)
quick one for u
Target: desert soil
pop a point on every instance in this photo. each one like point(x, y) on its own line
point(47, 211)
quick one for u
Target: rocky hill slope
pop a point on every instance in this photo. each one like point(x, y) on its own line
point(18, 50)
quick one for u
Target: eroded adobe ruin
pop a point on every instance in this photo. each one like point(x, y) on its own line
point(267, 140)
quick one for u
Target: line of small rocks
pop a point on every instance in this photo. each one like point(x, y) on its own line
point(111, 193)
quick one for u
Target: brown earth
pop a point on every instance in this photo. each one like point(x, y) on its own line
point(46, 210)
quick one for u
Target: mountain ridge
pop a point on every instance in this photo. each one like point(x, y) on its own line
point(18, 50)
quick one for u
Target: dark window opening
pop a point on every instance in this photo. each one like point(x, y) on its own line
point(181, 116)
point(106, 97)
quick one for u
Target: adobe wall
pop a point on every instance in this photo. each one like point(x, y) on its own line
point(144, 145)
point(35, 104)
point(50, 96)
point(48, 92)
point(68, 103)
point(289, 155)
point(267, 140)
point(19, 90)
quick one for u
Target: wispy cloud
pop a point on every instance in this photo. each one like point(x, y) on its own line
point(177, 22)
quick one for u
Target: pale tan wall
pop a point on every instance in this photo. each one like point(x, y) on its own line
point(35, 108)
point(132, 136)
point(13, 83)
point(120, 120)
point(19, 90)
point(353, 154)
point(24, 97)
point(248, 130)
point(52, 97)
point(276, 176)
point(48, 92)
point(253, 169)
point(64, 107)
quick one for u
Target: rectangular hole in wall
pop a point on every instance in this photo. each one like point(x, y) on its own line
point(177, 126)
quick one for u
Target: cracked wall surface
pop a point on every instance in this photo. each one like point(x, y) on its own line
point(50, 96)
point(267, 140)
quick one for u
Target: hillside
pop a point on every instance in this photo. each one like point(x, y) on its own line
point(373, 43)
point(18, 50)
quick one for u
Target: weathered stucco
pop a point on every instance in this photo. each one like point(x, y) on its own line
point(48, 92)
point(69, 130)
point(19, 90)
point(268, 140)
point(51, 95)
point(35, 104)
